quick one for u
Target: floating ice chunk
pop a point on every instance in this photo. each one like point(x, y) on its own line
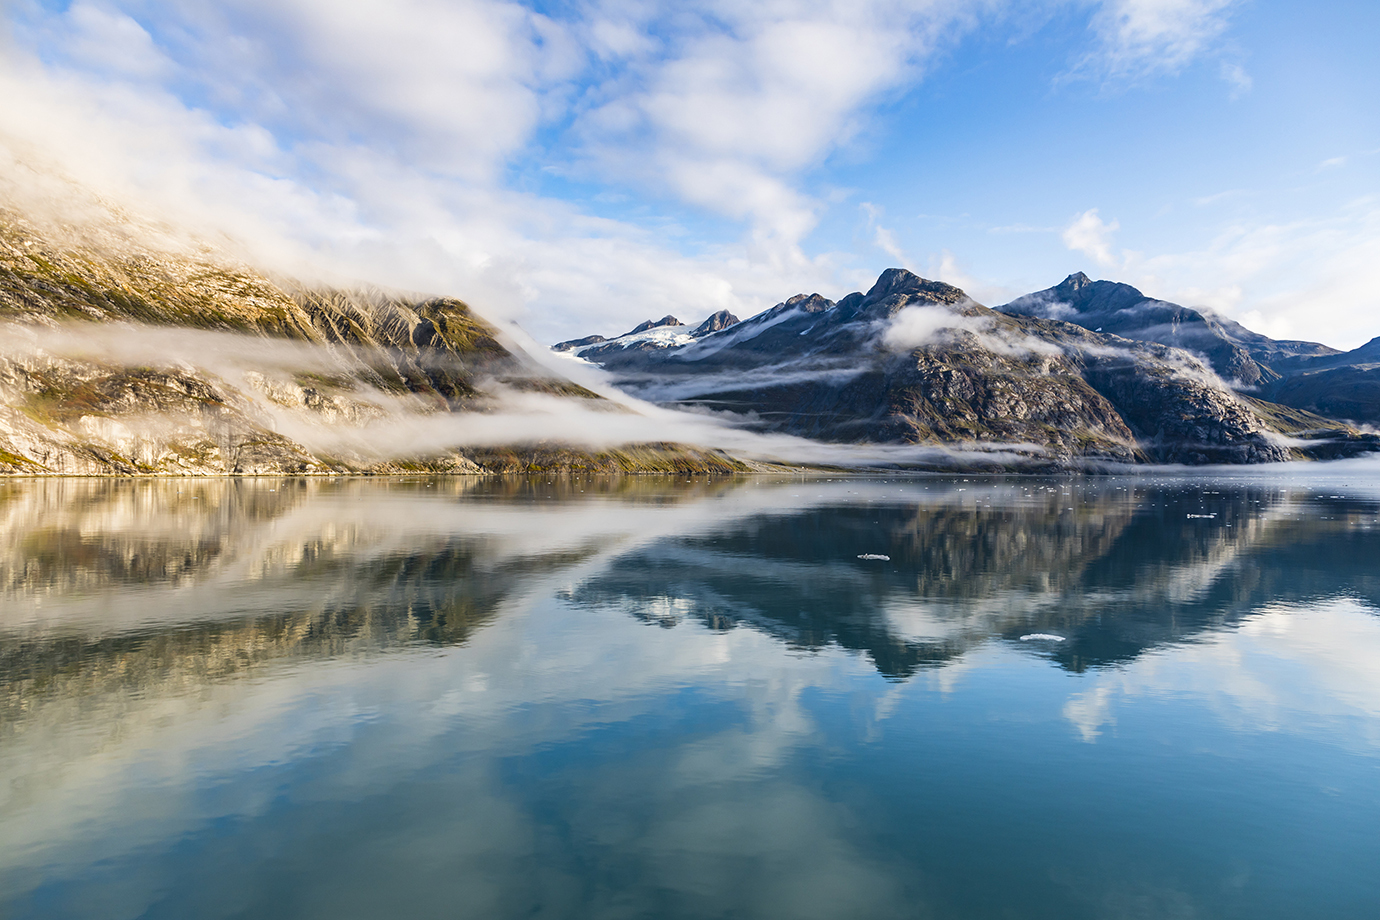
point(1042, 637)
point(875, 556)
point(1201, 515)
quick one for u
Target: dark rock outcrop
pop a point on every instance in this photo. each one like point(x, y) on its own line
point(715, 323)
point(1301, 375)
point(667, 320)
point(579, 343)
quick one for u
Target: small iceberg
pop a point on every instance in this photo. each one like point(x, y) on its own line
point(875, 556)
point(1042, 637)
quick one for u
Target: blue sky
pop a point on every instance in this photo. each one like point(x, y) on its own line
point(579, 166)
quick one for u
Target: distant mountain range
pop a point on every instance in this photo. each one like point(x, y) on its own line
point(1302, 375)
point(1085, 370)
point(127, 349)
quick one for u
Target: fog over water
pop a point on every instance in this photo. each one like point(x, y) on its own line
point(814, 697)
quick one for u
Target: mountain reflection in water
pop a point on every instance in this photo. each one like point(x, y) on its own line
point(143, 619)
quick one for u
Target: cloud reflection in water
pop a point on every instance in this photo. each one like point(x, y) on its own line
point(332, 698)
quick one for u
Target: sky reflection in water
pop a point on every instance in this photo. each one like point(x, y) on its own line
point(636, 697)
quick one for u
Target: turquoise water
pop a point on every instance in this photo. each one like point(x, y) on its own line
point(648, 697)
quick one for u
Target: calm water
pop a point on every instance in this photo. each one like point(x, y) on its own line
point(667, 698)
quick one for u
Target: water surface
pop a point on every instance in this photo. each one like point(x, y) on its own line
point(600, 698)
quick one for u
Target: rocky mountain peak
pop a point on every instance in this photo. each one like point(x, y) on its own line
point(1080, 294)
point(809, 303)
point(895, 281)
point(897, 287)
point(573, 344)
point(715, 323)
point(667, 320)
point(1368, 351)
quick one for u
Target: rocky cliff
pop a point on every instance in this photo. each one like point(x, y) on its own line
point(117, 357)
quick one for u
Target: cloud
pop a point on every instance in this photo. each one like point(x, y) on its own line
point(1090, 235)
point(368, 423)
point(739, 99)
point(411, 143)
point(1204, 200)
point(1326, 647)
point(1145, 38)
point(110, 41)
point(374, 137)
point(882, 237)
point(696, 385)
point(1307, 279)
point(915, 327)
point(1236, 77)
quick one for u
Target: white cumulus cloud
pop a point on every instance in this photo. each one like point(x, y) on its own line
point(1091, 235)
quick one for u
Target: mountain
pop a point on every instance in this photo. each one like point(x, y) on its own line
point(1301, 375)
point(127, 348)
point(913, 361)
point(1236, 353)
point(652, 335)
point(123, 352)
point(1345, 385)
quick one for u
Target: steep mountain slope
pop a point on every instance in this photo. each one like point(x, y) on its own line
point(1344, 385)
point(1236, 353)
point(126, 349)
point(117, 356)
point(916, 361)
point(1350, 392)
point(653, 335)
point(1302, 375)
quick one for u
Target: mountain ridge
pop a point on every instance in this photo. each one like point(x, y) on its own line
point(919, 361)
point(1302, 375)
point(121, 361)
point(173, 359)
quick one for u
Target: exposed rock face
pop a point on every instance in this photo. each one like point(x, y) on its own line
point(579, 343)
point(118, 360)
point(1351, 392)
point(1301, 375)
point(717, 322)
point(652, 335)
point(1179, 416)
point(1237, 354)
point(917, 361)
point(1343, 386)
point(967, 393)
point(667, 320)
point(1368, 353)
point(82, 419)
